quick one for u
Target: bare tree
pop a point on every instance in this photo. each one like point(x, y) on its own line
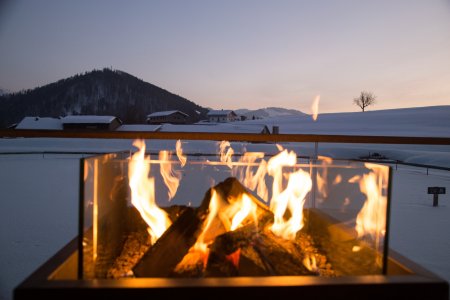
point(364, 100)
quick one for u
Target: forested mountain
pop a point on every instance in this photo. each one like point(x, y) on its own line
point(99, 92)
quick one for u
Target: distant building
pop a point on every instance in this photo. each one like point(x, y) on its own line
point(90, 122)
point(171, 116)
point(38, 123)
point(221, 116)
point(237, 127)
point(139, 127)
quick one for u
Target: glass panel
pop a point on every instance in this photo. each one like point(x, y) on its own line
point(343, 208)
point(105, 207)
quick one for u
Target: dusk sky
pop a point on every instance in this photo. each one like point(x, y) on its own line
point(239, 54)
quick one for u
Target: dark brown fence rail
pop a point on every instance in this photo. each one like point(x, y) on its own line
point(319, 138)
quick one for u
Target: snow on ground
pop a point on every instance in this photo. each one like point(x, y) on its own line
point(268, 112)
point(418, 230)
point(421, 121)
point(39, 212)
point(39, 209)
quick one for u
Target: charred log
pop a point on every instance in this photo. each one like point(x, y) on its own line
point(170, 248)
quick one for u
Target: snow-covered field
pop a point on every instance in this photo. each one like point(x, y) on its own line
point(39, 213)
point(420, 121)
point(39, 204)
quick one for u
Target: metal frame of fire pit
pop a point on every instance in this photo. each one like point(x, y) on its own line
point(58, 277)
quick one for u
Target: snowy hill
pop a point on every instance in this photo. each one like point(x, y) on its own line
point(420, 121)
point(268, 112)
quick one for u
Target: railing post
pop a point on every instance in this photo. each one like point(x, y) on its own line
point(314, 174)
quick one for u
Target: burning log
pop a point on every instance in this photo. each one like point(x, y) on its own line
point(246, 252)
point(249, 250)
point(170, 248)
point(137, 242)
point(173, 247)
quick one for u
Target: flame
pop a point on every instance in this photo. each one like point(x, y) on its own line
point(322, 180)
point(252, 180)
point(310, 263)
point(201, 245)
point(275, 169)
point(171, 178)
point(292, 198)
point(230, 214)
point(315, 107)
point(226, 154)
point(354, 179)
point(244, 206)
point(143, 193)
point(371, 220)
point(356, 248)
point(337, 179)
point(180, 155)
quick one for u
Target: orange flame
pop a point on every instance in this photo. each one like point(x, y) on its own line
point(201, 245)
point(180, 155)
point(310, 263)
point(252, 180)
point(226, 153)
point(240, 210)
point(229, 214)
point(171, 178)
point(337, 179)
point(292, 198)
point(315, 107)
point(371, 220)
point(143, 193)
point(322, 180)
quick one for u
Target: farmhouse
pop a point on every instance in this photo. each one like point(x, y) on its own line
point(171, 116)
point(90, 122)
point(39, 123)
point(221, 116)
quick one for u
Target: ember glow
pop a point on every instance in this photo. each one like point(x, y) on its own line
point(143, 193)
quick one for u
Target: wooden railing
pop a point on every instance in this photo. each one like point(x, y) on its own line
point(250, 137)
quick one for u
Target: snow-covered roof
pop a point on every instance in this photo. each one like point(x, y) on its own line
point(248, 128)
point(40, 123)
point(222, 112)
point(165, 113)
point(221, 128)
point(87, 119)
point(138, 127)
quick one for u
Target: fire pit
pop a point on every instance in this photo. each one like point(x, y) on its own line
point(254, 223)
